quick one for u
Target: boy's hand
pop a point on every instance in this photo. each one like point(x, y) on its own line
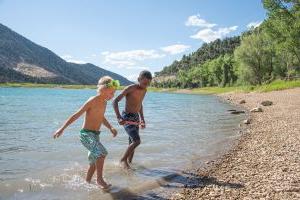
point(113, 131)
point(121, 121)
point(58, 133)
point(143, 124)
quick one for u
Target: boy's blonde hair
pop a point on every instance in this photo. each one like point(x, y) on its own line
point(102, 82)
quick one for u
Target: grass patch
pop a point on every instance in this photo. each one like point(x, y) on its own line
point(278, 85)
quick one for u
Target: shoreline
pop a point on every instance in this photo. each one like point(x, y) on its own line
point(166, 186)
point(273, 86)
point(264, 162)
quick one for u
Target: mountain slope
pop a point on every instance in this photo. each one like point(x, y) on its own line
point(24, 61)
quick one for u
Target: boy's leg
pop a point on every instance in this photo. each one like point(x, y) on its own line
point(134, 138)
point(130, 157)
point(131, 154)
point(90, 172)
point(97, 153)
point(99, 168)
point(129, 151)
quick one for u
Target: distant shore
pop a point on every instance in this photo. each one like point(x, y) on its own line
point(273, 86)
point(265, 163)
point(276, 85)
point(47, 85)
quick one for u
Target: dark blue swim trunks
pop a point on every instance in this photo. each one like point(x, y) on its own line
point(131, 129)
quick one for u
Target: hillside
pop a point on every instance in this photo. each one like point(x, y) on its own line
point(207, 51)
point(24, 61)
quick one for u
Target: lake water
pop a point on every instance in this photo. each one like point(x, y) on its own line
point(181, 130)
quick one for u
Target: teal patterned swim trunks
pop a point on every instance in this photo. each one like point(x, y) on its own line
point(90, 140)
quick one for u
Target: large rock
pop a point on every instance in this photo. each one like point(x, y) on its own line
point(266, 103)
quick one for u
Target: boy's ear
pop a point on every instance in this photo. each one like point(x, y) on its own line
point(139, 79)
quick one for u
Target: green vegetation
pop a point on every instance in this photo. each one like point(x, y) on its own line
point(256, 58)
point(205, 53)
point(276, 85)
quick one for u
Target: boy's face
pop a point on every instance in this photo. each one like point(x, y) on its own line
point(144, 82)
point(108, 93)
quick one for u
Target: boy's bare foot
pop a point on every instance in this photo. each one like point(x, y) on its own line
point(103, 185)
point(124, 164)
point(88, 181)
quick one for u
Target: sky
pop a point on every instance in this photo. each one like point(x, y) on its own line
point(127, 36)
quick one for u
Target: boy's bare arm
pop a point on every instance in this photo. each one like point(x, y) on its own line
point(73, 118)
point(142, 114)
point(109, 126)
point(143, 124)
point(119, 98)
point(106, 123)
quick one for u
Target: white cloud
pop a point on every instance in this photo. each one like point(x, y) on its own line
point(175, 49)
point(77, 61)
point(195, 20)
point(70, 59)
point(208, 32)
point(67, 56)
point(121, 63)
point(137, 67)
point(209, 35)
point(129, 58)
point(254, 24)
point(132, 55)
point(133, 77)
point(104, 53)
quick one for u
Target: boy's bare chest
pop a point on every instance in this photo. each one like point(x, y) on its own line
point(96, 112)
point(136, 96)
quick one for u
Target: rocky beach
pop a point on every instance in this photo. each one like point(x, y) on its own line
point(265, 162)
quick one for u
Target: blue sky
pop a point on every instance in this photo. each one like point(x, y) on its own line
point(128, 36)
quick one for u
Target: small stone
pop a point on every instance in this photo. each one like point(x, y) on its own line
point(237, 112)
point(258, 109)
point(246, 121)
point(242, 101)
point(266, 103)
point(285, 169)
point(231, 110)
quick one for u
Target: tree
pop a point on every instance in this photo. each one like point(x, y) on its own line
point(255, 57)
point(283, 24)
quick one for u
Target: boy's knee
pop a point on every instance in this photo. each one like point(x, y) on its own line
point(137, 142)
point(103, 154)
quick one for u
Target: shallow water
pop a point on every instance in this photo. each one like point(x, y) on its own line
point(180, 129)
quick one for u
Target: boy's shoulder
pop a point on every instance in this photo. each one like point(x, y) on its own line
point(93, 98)
point(131, 87)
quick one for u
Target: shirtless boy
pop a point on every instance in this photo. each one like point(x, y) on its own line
point(132, 117)
point(94, 110)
